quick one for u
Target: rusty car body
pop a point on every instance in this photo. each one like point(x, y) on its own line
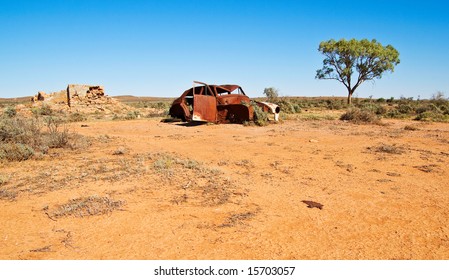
point(217, 104)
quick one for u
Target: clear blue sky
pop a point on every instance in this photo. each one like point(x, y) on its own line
point(157, 48)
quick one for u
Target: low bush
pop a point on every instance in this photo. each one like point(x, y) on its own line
point(380, 110)
point(335, 104)
point(21, 138)
point(286, 106)
point(357, 115)
point(10, 112)
point(432, 116)
point(55, 138)
point(43, 110)
point(395, 114)
point(76, 117)
point(444, 109)
point(405, 109)
point(160, 105)
point(21, 130)
point(297, 108)
point(15, 152)
point(132, 115)
point(260, 117)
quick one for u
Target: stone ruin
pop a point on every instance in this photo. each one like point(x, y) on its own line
point(83, 93)
point(85, 99)
point(40, 96)
point(75, 95)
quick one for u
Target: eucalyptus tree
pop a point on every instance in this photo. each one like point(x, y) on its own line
point(352, 62)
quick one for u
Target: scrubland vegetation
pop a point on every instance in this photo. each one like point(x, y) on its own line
point(23, 137)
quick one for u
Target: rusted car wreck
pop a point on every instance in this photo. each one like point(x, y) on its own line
point(217, 104)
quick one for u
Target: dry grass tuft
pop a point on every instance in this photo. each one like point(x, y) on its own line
point(245, 163)
point(8, 195)
point(411, 128)
point(388, 149)
point(87, 206)
point(42, 250)
point(238, 219)
point(207, 185)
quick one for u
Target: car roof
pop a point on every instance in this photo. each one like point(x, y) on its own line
point(219, 88)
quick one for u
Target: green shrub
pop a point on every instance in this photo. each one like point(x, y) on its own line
point(297, 108)
point(444, 109)
point(21, 130)
point(132, 115)
point(10, 112)
point(380, 110)
point(43, 110)
point(76, 117)
point(260, 117)
point(334, 104)
point(23, 137)
point(158, 114)
point(394, 114)
point(15, 152)
point(432, 116)
point(160, 105)
point(56, 138)
point(116, 117)
point(286, 106)
point(421, 109)
point(405, 109)
point(357, 115)
point(428, 108)
point(371, 107)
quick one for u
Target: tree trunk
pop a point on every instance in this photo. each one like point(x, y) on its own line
point(350, 97)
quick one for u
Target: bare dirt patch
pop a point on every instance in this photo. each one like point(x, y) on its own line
point(150, 190)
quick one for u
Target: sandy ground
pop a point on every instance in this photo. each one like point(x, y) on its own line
point(233, 192)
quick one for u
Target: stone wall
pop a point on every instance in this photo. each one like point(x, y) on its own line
point(74, 95)
point(83, 93)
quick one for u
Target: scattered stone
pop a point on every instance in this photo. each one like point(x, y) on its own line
point(119, 151)
point(348, 167)
point(384, 180)
point(393, 174)
point(313, 204)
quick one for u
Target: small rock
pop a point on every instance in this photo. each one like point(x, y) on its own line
point(313, 204)
point(119, 151)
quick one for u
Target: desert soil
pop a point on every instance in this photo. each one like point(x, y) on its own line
point(171, 191)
